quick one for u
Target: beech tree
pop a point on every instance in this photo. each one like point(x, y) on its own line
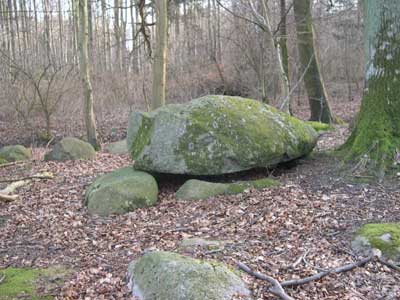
point(313, 81)
point(375, 141)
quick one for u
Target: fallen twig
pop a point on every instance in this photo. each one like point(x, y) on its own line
point(2, 278)
point(8, 198)
point(299, 260)
point(276, 289)
point(44, 175)
point(18, 162)
point(389, 264)
point(322, 274)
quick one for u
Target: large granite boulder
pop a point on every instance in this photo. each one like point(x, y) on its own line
point(216, 135)
point(14, 153)
point(121, 191)
point(194, 189)
point(170, 276)
point(71, 149)
point(385, 237)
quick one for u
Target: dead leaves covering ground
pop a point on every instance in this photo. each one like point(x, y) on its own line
point(312, 212)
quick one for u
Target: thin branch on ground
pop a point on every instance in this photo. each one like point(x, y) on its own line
point(8, 198)
point(13, 163)
point(389, 264)
point(37, 176)
point(2, 278)
point(276, 288)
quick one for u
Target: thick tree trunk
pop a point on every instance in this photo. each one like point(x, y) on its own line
point(90, 120)
point(317, 95)
point(375, 141)
point(160, 55)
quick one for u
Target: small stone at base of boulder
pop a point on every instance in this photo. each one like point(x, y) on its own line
point(385, 237)
point(171, 276)
point(121, 191)
point(14, 153)
point(117, 148)
point(194, 189)
point(71, 149)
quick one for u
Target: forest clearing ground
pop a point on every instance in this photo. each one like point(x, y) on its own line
point(315, 210)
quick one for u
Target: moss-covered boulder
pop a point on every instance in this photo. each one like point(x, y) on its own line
point(216, 135)
point(385, 237)
point(194, 189)
point(14, 153)
point(117, 148)
point(121, 191)
point(170, 276)
point(71, 149)
point(23, 283)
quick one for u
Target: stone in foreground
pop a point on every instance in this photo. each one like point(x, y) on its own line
point(71, 149)
point(170, 276)
point(194, 189)
point(216, 135)
point(121, 191)
point(14, 153)
point(385, 237)
point(117, 148)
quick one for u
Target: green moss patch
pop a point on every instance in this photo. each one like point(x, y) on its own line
point(318, 126)
point(375, 234)
point(23, 283)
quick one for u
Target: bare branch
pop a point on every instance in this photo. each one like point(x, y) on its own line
point(276, 289)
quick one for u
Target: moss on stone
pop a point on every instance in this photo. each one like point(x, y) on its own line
point(194, 189)
point(216, 135)
point(22, 283)
point(318, 126)
point(166, 276)
point(121, 191)
point(374, 232)
point(14, 153)
point(3, 161)
point(71, 149)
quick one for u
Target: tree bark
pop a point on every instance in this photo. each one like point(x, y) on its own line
point(375, 142)
point(160, 55)
point(313, 81)
point(117, 34)
point(90, 121)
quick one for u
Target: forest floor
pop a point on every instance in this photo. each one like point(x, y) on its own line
point(315, 211)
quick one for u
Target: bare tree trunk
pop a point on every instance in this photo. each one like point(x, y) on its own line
point(104, 34)
point(117, 33)
point(84, 63)
point(160, 55)
point(11, 28)
point(47, 37)
point(36, 29)
point(61, 31)
point(317, 95)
